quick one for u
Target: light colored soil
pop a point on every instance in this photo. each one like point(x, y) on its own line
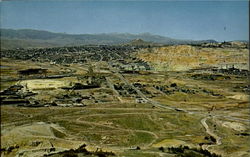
point(43, 84)
point(169, 143)
point(234, 125)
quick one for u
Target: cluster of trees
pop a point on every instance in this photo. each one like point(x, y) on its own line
point(185, 151)
point(82, 151)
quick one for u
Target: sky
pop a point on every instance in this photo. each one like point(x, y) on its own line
point(197, 20)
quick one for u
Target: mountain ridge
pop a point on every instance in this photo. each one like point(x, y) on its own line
point(39, 38)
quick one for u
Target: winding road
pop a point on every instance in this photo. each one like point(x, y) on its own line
point(211, 133)
point(203, 121)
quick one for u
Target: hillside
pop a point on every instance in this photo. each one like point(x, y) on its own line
point(27, 38)
point(186, 57)
point(140, 42)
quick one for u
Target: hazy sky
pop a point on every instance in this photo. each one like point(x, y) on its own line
point(219, 20)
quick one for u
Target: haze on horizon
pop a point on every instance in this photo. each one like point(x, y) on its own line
point(196, 20)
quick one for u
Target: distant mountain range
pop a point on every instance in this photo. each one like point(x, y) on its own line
point(28, 38)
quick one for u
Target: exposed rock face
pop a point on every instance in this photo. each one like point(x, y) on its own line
point(166, 58)
point(185, 57)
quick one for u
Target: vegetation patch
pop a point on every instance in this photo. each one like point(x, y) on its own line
point(185, 151)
